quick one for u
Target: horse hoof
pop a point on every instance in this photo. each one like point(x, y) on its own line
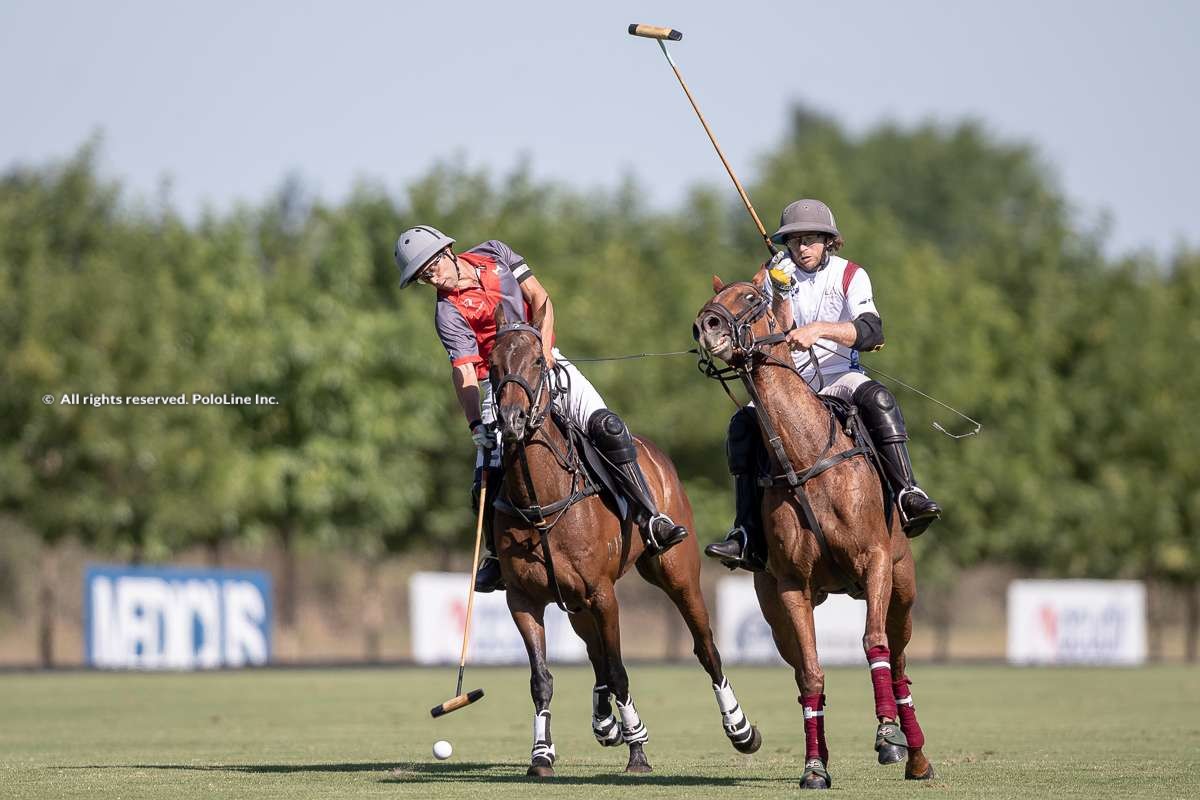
point(752, 744)
point(812, 781)
point(891, 743)
point(815, 775)
point(927, 775)
point(891, 753)
point(640, 767)
point(540, 771)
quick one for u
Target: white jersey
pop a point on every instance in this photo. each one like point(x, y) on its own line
point(838, 292)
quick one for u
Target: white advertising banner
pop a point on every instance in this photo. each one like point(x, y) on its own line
point(438, 611)
point(743, 636)
point(1076, 622)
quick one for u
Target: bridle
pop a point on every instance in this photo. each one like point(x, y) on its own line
point(748, 349)
point(740, 325)
point(537, 409)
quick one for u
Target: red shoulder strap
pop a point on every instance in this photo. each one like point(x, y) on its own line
point(848, 276)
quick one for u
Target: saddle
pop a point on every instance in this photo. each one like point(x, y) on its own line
point(595, 464)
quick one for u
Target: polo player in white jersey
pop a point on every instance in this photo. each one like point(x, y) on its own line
point(834, 309)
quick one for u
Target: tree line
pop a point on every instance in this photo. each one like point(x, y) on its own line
point(997, 298)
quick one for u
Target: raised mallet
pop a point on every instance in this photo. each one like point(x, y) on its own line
point(459, 700)
point(664, 34)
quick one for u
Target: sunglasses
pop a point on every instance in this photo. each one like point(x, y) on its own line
point(425, 276)
point(807, 240)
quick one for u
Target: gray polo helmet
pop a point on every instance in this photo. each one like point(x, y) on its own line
point(415, 247)
point(805, 216)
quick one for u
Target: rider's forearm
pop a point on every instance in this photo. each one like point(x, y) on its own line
point(548, 325)
point(844, 333)
point(466, 387)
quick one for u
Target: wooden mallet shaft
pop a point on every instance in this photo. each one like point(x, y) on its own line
point(459, 700)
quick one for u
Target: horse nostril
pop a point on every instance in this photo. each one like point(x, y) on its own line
point(711, 323)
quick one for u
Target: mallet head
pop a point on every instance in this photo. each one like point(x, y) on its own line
point(655, 32)
point(456, 703)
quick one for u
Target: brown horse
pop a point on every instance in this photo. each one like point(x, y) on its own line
point(575, 551)
point(861, 554)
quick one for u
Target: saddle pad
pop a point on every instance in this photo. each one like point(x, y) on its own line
point(595, 464)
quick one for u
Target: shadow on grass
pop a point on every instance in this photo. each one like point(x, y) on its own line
point(459, 772)
point(278, 769)
point(477, 772)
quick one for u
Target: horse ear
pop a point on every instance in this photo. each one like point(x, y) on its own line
point(760, 279)
point(500, 318)
point(718, 284)
point(540, 314)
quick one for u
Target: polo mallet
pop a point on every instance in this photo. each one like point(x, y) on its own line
point(459, 700)
point(660, 35)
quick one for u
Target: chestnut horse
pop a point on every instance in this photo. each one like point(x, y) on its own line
point(557, 543)
point(842, 543)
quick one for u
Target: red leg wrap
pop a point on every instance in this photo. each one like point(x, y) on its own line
point(908, 714)
point(814, 727)
point(880, 660)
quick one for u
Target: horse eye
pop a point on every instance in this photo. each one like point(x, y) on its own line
point(750, 298)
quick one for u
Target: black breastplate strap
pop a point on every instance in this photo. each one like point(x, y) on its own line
point(796, 482)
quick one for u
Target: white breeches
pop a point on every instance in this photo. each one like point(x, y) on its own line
point(842, 386)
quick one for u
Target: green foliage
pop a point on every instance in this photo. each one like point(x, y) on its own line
point(994, 300)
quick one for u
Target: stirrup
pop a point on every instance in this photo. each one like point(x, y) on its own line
point(673, 536)
point(488, 577)
point(914, 526)
point(742, 558)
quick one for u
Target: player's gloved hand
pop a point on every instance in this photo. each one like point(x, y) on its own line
point(782, 270)
point(482, 437)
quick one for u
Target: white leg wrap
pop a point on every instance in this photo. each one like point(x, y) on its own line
point(542, 747)
point(632, 729)
point(737, 727)
point(604, 724)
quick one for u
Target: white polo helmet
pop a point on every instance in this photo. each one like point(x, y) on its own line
point(415, 247)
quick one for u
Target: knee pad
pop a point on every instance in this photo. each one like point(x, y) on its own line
point(880, 412)
point(608, 432)
point(742, 443)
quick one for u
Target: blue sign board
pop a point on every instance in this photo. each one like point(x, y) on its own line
point(175, 618)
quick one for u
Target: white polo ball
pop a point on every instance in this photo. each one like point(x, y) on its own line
point(442, 750)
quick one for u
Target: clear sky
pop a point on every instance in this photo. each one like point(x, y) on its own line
point(227, 98)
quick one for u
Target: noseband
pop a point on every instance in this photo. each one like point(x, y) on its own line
point(739, 326)
point(536, 416)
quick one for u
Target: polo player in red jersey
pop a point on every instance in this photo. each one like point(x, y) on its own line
point(470, 286)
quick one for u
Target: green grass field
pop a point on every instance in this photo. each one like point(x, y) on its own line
point(992, 732)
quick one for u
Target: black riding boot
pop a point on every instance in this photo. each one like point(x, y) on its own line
point(881, 413)
point(608, 432)
point(743, 547)
point(487, 576)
